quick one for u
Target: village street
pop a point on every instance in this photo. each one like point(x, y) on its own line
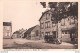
point(31, 44)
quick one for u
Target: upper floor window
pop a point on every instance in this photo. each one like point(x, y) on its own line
point(8, 28)
point(4, 28)
point(53, 24)
point(48, 16)
point(42, 25)
point(47, 24)
point(63, 22)
point(72, 21)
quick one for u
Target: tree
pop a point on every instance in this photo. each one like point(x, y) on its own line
point(63, 10)
point(43, 4)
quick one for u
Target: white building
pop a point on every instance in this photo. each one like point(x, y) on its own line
point(7, 29)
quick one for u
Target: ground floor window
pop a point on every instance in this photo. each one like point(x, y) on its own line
point(66, 34)
point(47, 33)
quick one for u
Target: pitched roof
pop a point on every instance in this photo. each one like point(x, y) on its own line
point(16, 32)
point(29, 30)
point(44, 13)
point(6, 23)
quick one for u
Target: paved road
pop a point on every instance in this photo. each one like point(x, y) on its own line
point(30, 44)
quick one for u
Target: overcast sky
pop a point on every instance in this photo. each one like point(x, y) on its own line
point(22, 14)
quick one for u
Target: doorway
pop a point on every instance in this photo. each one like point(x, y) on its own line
point(54, 34)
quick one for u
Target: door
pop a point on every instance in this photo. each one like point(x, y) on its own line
point(54, 34)
point(37, 33)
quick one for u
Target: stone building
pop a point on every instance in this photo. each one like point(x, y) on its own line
point(66, 28)
point(7, 29)
point(33, 33)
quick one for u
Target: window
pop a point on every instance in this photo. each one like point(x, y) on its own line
point(53, 24)
point(66, 32)
point(62, 32)
point(48, 16)
point(5, 33)
point(47, 33)
point(63, 22)
point(4, 28)
point(42, 25)
point(72, 21)
point(8, 28)
point(42, 34)
point(47, 24)
point(8, 33)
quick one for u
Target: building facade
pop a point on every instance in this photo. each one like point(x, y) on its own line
point(33, 33)
point(7, 29)
point(19, 33)
point(65, 29)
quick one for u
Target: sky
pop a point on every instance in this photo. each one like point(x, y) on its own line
point(22, 14)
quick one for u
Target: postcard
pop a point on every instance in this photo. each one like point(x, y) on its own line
point(39, 25)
